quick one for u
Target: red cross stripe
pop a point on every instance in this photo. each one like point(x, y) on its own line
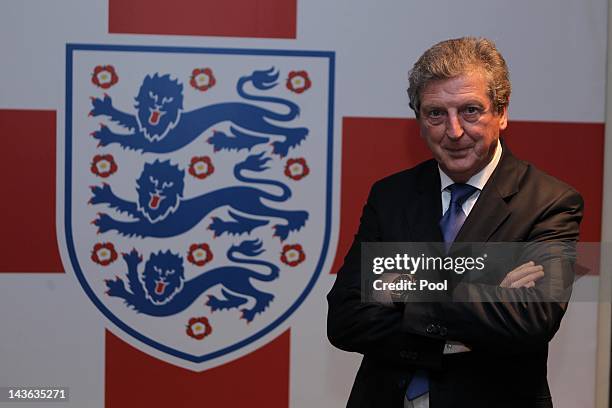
point(240, 382)
point(28, 204)
point(230, 18)
point(259, 379)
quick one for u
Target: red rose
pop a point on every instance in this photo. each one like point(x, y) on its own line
point(199, 254)
point(104, 253)
point(198, 328)
point(103, 165)
point(202, 79)
point(201, 167)
point(104, 76)
point(292, 255)
point(296, 169)
point(298, 81)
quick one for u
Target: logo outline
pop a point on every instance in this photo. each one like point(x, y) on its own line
point(71, 48)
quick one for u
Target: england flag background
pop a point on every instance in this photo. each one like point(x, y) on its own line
point(72, 82)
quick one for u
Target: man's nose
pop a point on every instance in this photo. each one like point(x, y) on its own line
point(454, 129)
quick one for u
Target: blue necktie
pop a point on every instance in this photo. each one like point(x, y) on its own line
point(454, 217)
point(418, 386)
point(450, 224)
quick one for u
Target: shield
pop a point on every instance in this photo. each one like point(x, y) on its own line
point(197, 191)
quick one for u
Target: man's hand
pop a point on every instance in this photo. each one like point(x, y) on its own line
point(523, 276)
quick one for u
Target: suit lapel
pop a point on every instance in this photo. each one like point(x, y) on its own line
point(491, 208)
point(425, 212)
point(489, 213)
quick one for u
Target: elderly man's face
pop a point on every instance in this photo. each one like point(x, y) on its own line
point(459, 124)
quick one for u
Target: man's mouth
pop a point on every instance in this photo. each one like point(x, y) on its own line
point(457, 151)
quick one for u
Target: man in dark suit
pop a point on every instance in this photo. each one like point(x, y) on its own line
point(491, 351)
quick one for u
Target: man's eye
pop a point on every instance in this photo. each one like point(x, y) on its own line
point(435, 116)
point(472, 110)
point(471, 113)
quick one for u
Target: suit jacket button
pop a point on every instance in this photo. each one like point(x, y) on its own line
point(443, 331)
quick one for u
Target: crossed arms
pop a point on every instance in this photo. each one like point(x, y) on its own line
point(507, 314)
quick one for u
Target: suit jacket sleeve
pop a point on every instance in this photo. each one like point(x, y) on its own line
point(371, 328)
point(510, 319)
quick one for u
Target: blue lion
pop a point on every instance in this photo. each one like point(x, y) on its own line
point(161, 126)
point(161, 210)
point(163, 290)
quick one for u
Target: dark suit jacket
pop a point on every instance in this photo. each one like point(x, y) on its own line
point(509, 339)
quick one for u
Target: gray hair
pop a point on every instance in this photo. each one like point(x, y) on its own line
point(455, 57)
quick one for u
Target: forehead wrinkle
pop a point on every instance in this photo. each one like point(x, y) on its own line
point(454, 91)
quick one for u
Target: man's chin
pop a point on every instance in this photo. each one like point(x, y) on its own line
point(459, 172)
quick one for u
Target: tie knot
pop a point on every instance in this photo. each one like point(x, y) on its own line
point(460, 192)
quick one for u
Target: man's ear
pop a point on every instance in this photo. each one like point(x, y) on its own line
point(503, 118)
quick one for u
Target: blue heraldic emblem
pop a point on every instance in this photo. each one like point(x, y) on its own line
point(197, 208)
point(163, 290)
point(161, 211)
point(159, 124)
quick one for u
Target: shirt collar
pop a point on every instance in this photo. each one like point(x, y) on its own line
point(479, 179)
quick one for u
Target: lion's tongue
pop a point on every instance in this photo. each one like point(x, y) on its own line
point(154, 202)
point(154, 118)
point(159, 288)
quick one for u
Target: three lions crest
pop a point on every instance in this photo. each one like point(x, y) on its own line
point(197, 198)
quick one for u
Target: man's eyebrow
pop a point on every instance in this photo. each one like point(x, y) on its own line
point(432, 106)
point(436, 105)
point(473, 102)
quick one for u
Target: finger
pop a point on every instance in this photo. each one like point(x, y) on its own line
point(526, 279)
point(510, 276)
point(520, 272)
point(517, 274)
point(530, 285)
point(526, 264)
point(532, 273)
point(518, 269)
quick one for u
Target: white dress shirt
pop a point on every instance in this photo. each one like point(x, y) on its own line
point(478, 180)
